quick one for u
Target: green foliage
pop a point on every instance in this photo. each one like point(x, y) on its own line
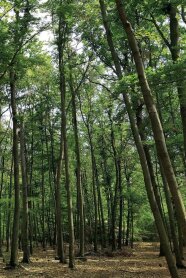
point(103, 125)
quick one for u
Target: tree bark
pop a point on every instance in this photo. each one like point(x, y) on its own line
point(1, 190)
point(60, 244)
point(78, 171)
point(61, 45)
point(15, 151)
point(94, 191)
point(25, 245)
point(9, 209)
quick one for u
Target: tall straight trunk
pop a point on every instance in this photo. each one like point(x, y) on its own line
point(120, 232)
point(108, 187)
point(154, 118)
point(147, 179)
point(30, 203)
point(87, 209)
point(9, 208)
point(100, 204)
point(67, 179)
point(115, 199)
point(51, 178)
point(1, 189)
point(93, 167)
point(94, 190)
point(57, 181)
point(25, 239)
point(132, 229)
point(56, 174)
point(43, 196)
point(15, 230)
point(120, 207)
point(128, 184)
point(78, 171)
point(60, 244)
point(61, 44)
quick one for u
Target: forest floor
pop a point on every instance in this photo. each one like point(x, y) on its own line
point(141, 262)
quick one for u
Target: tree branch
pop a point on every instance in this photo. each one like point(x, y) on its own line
point(160, 31)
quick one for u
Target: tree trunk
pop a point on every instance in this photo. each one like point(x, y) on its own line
point(15, 151)
point(60, 244)
point(78, 171)
point(1, 189)
point(43, 193)
point(61, 45)
point(115, 199)
point(100, 204)
point(30, 203)
point(9, 209)
point(25, 240)
point(94, 191)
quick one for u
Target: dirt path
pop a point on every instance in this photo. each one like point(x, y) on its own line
point(142, 263)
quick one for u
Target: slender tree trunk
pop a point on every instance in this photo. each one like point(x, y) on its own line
point(94, 191)
point(43, 196)
point(108, 189)
point(1, 189)
point(78, 171)
point(15, 230)
point(132, 229)
point(30, 203)
point(61, 44)
point(9, 209)
point(67, 183)
point(60, 244)
point(115, 199)
point(120, 207)
point(25, 239)
point(127, 237)
point(100, 204)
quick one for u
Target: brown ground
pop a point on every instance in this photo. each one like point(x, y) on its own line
point(143, 262)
